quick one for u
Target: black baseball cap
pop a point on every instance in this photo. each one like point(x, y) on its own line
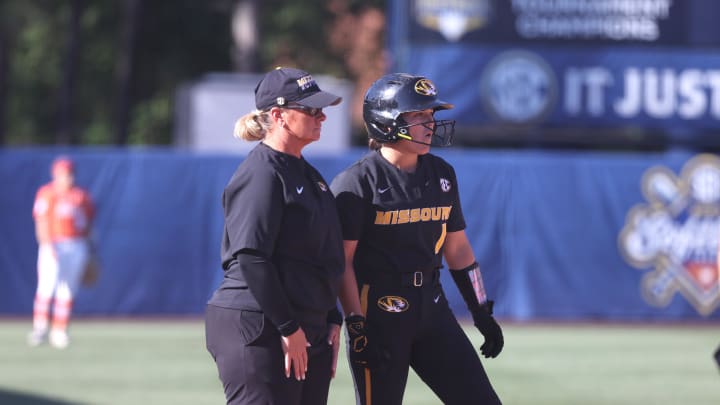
point(284, 85)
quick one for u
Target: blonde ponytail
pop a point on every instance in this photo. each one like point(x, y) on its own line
point(253, 126)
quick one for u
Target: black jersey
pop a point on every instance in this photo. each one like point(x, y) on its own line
point(279, 207)
point(399, 219)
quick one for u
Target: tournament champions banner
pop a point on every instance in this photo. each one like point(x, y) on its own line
point(581, 70)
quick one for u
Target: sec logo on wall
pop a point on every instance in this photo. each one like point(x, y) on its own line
point(674, 234)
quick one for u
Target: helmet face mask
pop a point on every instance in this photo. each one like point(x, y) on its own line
point(398, 93)
point(442, 131)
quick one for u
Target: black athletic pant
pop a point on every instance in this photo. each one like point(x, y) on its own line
point(425, 336)
point(247, 350)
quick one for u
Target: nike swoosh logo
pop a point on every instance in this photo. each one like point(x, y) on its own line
point(436, 299)
point(299, 189)
point(382, 190)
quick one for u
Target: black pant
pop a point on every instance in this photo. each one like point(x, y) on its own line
point(247, 350)
point(417, 327)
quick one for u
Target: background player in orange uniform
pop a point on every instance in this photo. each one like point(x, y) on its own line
point(63, 214)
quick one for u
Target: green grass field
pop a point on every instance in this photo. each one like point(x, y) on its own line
point(165, 362)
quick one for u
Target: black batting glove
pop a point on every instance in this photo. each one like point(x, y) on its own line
point(363, 351)
point(490, 330)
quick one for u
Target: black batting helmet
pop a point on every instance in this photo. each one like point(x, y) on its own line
point(397, 93)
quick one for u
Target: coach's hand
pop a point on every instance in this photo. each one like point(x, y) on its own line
point(296, 357)
point(363, 351)
point(490, 329)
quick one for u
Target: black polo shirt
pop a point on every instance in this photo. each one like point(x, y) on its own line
point(279, 207)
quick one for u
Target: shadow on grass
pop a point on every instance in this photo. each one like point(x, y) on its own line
point(24, 398)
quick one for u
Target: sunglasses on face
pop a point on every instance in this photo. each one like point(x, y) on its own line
point(311, 111)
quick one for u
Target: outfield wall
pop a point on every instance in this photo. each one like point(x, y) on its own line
point(560, 235)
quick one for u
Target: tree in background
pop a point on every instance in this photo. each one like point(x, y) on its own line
point(80, 72)
point(245, 36)
point(66, 96)
point(4, 55)
point(132, 12)
point(31, 81)
point(358, 35)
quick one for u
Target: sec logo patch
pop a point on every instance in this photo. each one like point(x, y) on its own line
point(393, 303)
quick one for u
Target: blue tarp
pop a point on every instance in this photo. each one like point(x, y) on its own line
point(545, 226)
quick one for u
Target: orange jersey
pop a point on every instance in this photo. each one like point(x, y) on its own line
point(69, 213)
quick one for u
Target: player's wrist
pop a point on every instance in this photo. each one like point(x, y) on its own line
point(487, 306)
point(471, 267)
point(353, 317)
point(288, 328)
point(334, 317)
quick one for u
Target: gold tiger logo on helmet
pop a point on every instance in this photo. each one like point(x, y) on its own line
point(425, 87)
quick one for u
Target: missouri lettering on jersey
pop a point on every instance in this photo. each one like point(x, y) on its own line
point(382, 206)
point(412, 215)
point(69, 213)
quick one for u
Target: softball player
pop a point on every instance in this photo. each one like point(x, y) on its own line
point(400, 213)
point(272, 326)
point(63, 214)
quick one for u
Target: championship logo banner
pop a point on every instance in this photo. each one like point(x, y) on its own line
point(452, 19)
point(675, 234)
